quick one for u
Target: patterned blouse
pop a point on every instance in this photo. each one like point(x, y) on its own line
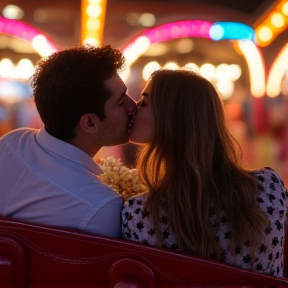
point(269, 255)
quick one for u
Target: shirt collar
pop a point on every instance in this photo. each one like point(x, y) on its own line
point(66, 150)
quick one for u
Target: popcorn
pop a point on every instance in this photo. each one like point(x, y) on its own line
point(122, 179)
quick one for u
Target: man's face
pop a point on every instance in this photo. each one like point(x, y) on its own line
point(113, 130)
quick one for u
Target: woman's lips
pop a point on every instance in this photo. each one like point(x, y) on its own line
point(131, 122)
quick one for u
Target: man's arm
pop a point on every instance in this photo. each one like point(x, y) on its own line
point(107, 221)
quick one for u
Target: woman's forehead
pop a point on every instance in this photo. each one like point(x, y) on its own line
point(147, 88)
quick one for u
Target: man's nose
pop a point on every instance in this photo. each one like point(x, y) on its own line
point(130, 105)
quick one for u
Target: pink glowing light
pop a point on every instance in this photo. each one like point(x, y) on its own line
point(179, 29)
point(22, 30)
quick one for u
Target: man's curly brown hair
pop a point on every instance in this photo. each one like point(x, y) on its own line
point(71, 83)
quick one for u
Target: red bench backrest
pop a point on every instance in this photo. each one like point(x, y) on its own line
point(33, 255)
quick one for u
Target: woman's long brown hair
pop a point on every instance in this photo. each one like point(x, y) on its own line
point(193, 169)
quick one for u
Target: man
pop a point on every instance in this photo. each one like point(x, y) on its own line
point(48, 176)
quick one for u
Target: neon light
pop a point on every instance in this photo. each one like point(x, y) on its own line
point(186, 29)
point(232, 31)
point(24, 31)
point(275, 25)
point(216, 32)
point(256, 67)
point(277, 71)
point(181, 29)
point(166, 32)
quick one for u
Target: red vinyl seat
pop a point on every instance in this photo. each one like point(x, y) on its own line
point(33, 255)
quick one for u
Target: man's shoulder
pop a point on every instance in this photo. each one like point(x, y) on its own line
point(19, 133)
point(93, 191)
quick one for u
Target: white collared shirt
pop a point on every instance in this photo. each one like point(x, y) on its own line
point(48, 181)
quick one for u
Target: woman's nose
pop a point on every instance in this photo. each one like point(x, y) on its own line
point(130, 105)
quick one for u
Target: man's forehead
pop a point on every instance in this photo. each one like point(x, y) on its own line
point(115, 82)
point(116, 85)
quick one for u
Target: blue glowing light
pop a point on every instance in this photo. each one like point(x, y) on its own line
point(232, 31)
point(216, 32)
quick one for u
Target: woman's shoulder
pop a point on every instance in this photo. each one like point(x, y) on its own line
point(269, 178)
point(136, 201)
point(272, 192)
point(267, 174)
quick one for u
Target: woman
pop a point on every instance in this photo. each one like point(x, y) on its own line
point(201, 200)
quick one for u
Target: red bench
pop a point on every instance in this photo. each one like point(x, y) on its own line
point(33, 255)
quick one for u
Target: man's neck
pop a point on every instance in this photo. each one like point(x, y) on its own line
point(85, 145)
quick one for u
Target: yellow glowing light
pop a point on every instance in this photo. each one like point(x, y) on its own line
point(171, 66)
point(277, 20)
point(221, 72)
point(256, 67)
point(41, 45)
point(136, 49)
point(225, 88)
point(94, 11)
point(277, 71)
point(265, 34)
point(92, 21)
point(191, 66)
point(125, 74)
point(150, 68)
point(272, 23)
point(93, 24)
point(13, 12)
point(234, 72)
point(91, 41)
point(24, 69)
point(207, 70)
point(142, 44)
point(6, 68)
point(285, 9)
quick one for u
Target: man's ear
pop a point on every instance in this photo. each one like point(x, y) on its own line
point(89, 123)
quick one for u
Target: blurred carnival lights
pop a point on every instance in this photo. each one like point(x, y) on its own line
point(265, 34)
point(147, 19)
point(277, 72)
point(277, 20)
point(232, 31)
point(12, 91)
point(125, 74)
point(256, 67)
point(92, 21)
point(157, 49)
point(149, 69)
point(166, 32)
point(23, 70)
point(225, 88)
point(285, 9)
point(186, 29)
point(207, 70)
point(43, 46)
point(221, 72)
point(133, 18)
point(191, 66)
point(13, 12)
point(171, 66)
point(273, 24)
point(6, 68)
point(184, 45)
point(222, 76)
